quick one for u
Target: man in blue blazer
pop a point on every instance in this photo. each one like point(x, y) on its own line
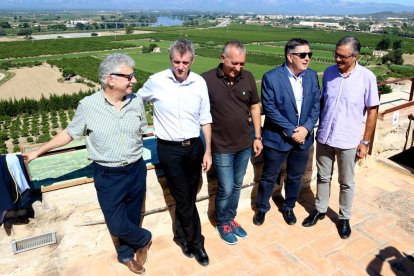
point(290, 101)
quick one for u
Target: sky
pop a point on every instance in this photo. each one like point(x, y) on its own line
point(292, 7)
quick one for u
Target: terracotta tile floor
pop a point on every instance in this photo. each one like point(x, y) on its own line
point(382, 238)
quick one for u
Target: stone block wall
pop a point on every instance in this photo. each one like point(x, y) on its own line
point(393, 132)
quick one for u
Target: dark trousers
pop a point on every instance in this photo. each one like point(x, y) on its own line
point(295, 168)
point(182, 168)
point(121, 193)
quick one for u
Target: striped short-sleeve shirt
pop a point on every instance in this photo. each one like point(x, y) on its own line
point(113, 138)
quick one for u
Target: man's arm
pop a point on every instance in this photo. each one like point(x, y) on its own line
point(61, 139)
point(257, 125)
point(372, 113)
point(207, 160)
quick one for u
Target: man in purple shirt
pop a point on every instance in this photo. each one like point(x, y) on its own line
point(348, 92)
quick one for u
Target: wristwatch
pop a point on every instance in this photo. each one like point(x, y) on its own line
point(257, 138)
point(364, 142)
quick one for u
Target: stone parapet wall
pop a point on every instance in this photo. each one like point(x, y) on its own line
point(393, 131)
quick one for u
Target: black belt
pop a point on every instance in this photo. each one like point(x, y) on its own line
point(184, 143)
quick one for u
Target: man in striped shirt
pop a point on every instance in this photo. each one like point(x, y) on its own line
point(113, 121)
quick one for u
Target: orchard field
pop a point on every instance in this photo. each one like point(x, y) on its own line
point(29, 121)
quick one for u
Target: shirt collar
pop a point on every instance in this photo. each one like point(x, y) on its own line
point(220, 73)
point(127, 98)
point(189, 80)
point(291, 75)
point(355, 69)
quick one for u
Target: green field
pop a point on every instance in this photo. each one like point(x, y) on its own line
point(81, 56)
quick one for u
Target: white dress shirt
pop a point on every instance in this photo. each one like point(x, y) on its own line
point(180, 108)
point(297, 88)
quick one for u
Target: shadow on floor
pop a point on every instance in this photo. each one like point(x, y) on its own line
point(400, 263)
point(405, 159)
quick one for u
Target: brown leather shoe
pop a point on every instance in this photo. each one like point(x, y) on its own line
point(142, 254)
point(134, 266)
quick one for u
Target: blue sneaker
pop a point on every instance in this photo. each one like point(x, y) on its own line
point(238, 230)
point(226, 234)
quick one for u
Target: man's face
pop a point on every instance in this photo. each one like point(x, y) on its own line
point(344, 58)
point(124, 79)
point(233, 62)
point(297, 63)
point(181, 64)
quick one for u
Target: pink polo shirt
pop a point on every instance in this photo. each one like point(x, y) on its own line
point(343, 105)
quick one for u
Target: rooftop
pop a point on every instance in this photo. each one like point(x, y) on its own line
point(382, 240)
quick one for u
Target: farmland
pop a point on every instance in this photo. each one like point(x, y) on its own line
point(24, 121)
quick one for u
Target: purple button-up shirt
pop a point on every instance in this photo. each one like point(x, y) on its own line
point(343, 106)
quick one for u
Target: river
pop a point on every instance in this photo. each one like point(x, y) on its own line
point(161, 21)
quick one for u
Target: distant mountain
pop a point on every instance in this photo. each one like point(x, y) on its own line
point(387, 14)
point(290, 7)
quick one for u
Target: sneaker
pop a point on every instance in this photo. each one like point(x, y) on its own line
point(238, 230)
point(226, 234)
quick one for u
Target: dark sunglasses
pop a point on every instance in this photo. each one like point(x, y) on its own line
point(127, 76)
point(303, 55)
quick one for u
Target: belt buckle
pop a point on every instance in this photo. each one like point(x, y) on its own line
point(186, 143)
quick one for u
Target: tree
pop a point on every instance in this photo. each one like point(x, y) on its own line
point(5, 24)
point(80, 26)
point(24, 25)
point(25, 32)
point(129, 30)
point(394, 57)
point(384, 44)
point(397, 44)
point(364, 26)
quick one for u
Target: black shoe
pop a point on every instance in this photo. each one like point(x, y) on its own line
point(344, 228)
point(313, 218)
point(187, 249)
point(201, 256)
point(259, 217)
point(289, 216)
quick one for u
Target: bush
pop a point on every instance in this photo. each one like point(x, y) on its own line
point(16, 148)
point(29, 139)
point(43, 138)
point(385, 89)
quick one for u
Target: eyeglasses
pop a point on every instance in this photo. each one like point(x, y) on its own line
point(341, 57)
point(127, 76)
point(303, 55)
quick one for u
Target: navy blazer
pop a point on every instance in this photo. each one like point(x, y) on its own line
point(281, 113)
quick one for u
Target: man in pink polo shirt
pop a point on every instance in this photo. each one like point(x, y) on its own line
point(349, 91)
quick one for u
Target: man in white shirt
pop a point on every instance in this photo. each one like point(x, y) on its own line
point(181, 109)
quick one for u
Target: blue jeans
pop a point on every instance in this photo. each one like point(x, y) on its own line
point(230, 169)
point(297, 160)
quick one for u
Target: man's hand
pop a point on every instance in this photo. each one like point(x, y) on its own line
point(299, 135)
point(257, 147)
point(29, 156)
point(207, 161)
point(362, 151)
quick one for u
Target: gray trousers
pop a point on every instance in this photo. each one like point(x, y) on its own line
point(325, 159)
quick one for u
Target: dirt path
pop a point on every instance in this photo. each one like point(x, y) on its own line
point(35, 81)
point(408, 59)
